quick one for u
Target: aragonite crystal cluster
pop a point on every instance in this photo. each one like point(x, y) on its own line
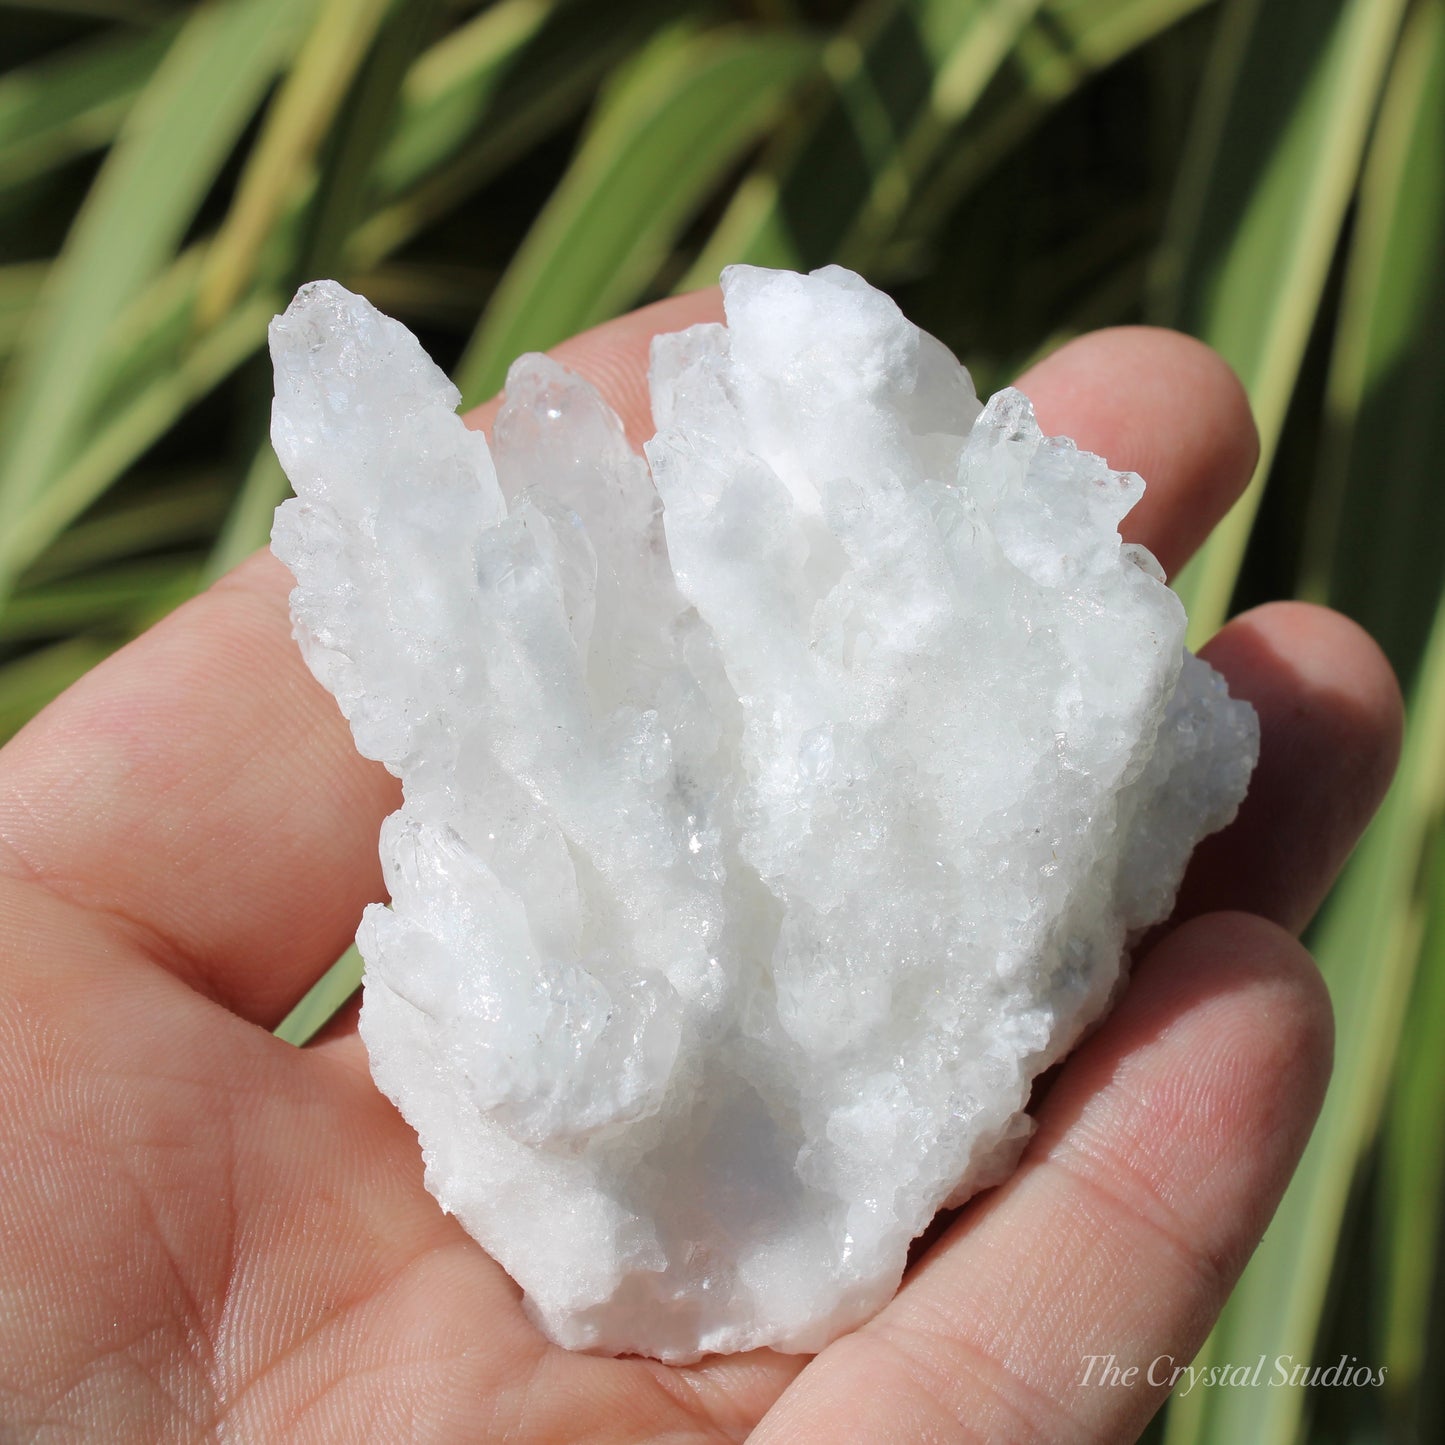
point(777, 806)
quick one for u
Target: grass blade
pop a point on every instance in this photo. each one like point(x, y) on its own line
point(894, 80)
point(98, 598)
point(1412, 1168)
point(1367, 945)
point(345, 190)
point(923, 97)
point(322, 1002)
point(1259, 212)
point(665, 132)
point(1385, 403)
point(1065, 46)
point(73, 102)
point(187, 510)
point(1386, 419)
point(18, 284)
point(168, 155)
point(321, 243)
point(1385, 388)
point(248, 524)
point(283, 157)
point(448, 91)
point(476, 101)
point(127, 434)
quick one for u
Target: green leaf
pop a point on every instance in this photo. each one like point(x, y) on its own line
point(345, 190)
point(896, 81)
point(129, 432)
point(98, 598)
point(1066, 45)
point(1368, 553)
point(1258, 214)
point(1412, 1163)
point(448, 91)
point(324, 999)
point(73, 102)
point(168, 155)
point(147, 338)
point(665, 132)
point(1386, 387)
point(248, 524)
point(184, 510)
point(18, 284)
point(319, 243)
point(283, 157)
point(1367, 945)
point(478, 99)
point(921, 99)
point(1365, 550)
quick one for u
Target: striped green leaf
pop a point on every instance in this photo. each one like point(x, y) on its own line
point(665, 132)
point(99, 597)
point(182, 510)
point(345, 190)
point(1261, 203)
point(1412, 1170)
point(248, 523)
point(1385, 396)
point(480, 97)
point(894, 83)
point(1067, 44)
point(323, 1000)
point(19, 283)
point(921, 98)
point(73, 102)
point(167, 156)
point(448, 92)
point(125, 435)
point(1367, 945)
point(284, 155)
point(1371, 550)
point(1385, 418)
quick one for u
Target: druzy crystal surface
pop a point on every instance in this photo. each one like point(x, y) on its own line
point(777, 806)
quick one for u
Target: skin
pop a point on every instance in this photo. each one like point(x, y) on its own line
point(205, 1233)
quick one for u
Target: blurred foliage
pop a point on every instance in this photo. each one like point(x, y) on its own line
point(1269, 174)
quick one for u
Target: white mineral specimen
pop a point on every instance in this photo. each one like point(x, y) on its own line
point(772, 817)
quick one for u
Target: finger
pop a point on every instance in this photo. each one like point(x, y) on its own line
point(1330, 723)
point(1161, 1152)
point(1161, 404)
point(200, 791)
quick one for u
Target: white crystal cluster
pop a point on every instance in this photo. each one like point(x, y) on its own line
point(776, 808)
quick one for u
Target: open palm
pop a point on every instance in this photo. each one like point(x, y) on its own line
point(205, 1233)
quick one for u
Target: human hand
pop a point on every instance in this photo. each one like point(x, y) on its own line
point(206, 1232)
